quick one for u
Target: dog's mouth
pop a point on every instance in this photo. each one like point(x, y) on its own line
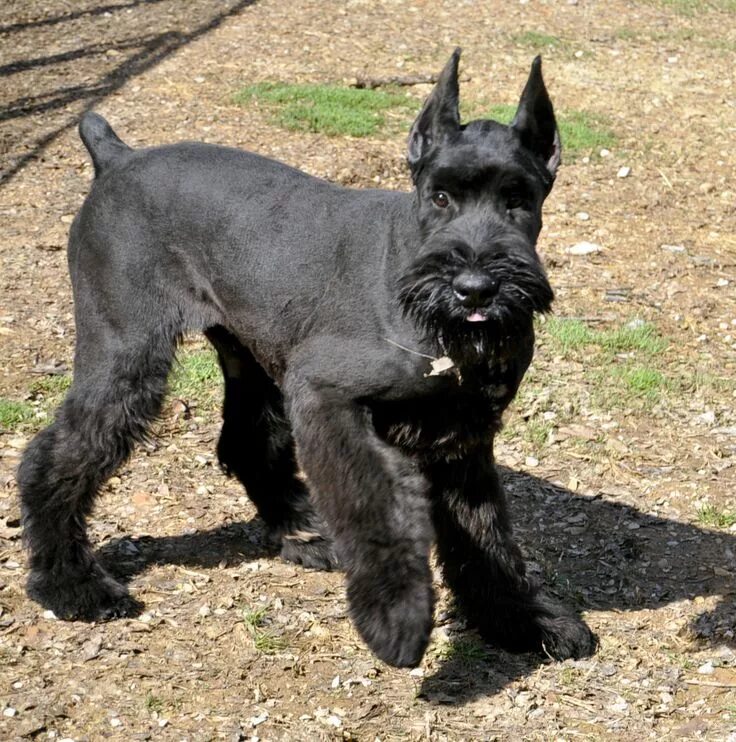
point(470, 310)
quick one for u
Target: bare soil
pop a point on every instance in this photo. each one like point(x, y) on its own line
point(606, 507)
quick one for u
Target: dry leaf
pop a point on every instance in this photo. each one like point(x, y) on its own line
point(441, 366)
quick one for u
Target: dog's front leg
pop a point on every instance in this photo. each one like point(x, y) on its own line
point(374, 501)
point(485, 569)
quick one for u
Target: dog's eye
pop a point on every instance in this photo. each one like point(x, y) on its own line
point(440, 199)
point(515, 200)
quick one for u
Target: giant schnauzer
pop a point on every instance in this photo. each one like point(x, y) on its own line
point(371, 339)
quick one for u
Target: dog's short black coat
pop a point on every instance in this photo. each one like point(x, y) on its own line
point(325, 305)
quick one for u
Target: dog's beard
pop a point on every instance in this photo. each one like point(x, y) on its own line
point(427, 297)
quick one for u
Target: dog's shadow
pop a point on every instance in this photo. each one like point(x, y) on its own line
point(595, 553)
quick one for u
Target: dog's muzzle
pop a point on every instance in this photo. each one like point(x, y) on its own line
point(463, 300)
point(475, 291)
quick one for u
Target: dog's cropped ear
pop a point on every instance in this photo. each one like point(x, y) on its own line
point(440, 115)
point(535, 120)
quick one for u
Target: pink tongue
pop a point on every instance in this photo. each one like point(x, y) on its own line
point(476, 317)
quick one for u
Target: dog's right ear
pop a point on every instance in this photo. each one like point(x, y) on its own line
point(440, 115)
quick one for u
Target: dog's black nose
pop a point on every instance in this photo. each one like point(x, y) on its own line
point(474, 289)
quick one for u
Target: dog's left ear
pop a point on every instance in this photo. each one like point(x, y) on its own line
point(535, 120)
point(440, 115)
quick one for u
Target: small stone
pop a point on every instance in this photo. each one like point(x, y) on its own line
point(623, 172)
point(335, 681)
point(584, 248)
point(674, 248)
point(722, 282)
point(707, 418)
point(706, 669)
point(256, 720)
point(584, 216)
point(204, 611)
point(9, 712)
point(49, 615)
point(417, 672)
point(531, 462)
point(578, 54)
point(115, 722)
point(128, 548)
point(91, 648)
point(619, 706)
point(605, 152)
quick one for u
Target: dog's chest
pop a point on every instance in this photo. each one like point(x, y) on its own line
point(448, 425)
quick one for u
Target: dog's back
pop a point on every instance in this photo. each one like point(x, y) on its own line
point(248, 255)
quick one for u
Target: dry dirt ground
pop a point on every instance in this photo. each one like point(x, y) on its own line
point(622, 496)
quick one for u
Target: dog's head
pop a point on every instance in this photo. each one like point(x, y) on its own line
point(480, 186)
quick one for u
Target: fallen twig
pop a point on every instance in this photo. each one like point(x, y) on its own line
point(710, 683)
point(371, 83)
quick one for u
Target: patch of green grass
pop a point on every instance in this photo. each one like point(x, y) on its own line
point(569, 334)
point(703, 382)
point(537, 432)
point(678, 659)
point(573, 335)
point(154, 703)
point(263, 640)
point(327, 109)
point(710, 515)
point(51, 389)
point(627, 34)
point(569, 675)
point(196, 377)
point(639, 337)
point(581, 132)
point(617, 381)
point(465, 650)
point(535, 39)
point(694, 7)
point(641, 382)
point(14, 414)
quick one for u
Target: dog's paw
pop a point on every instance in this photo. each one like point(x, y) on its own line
point(314, 552)
point(82, 596)
point(393, 616)
point(567, 637)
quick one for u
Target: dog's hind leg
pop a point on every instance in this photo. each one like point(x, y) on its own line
point(119, 382)
point(484, 567)
point(256, 446)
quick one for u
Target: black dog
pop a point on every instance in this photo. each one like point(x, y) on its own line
point(325, 306)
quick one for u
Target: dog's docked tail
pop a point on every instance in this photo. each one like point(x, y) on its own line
point(103, 144)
